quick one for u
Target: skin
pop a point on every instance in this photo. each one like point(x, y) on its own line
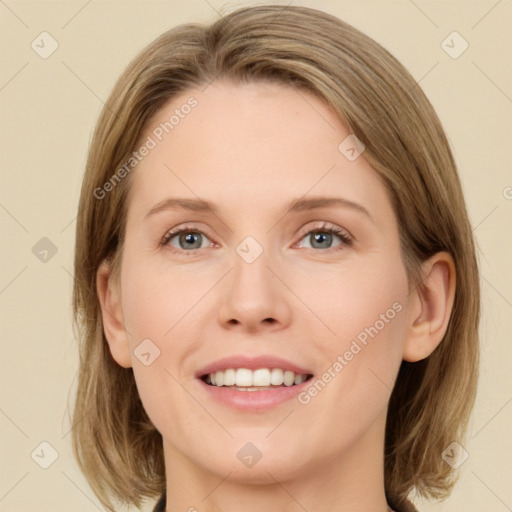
point(251, 149)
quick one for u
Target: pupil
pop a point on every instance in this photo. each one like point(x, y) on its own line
point(319, 237)
point(190, 238)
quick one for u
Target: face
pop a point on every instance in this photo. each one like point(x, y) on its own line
point(320, 286)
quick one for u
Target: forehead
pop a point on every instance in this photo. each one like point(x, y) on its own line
point(248, 144)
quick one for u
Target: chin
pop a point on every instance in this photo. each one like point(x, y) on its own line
point(246, 465)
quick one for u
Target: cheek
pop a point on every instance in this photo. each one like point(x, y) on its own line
point(155, 300)
point(367, 312)
point(155, 306)
point(361, 301)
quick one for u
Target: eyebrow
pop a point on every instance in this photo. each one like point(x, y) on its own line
point(297, 205)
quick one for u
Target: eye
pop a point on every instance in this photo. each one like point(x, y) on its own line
point(321, 237)
point(188, 239)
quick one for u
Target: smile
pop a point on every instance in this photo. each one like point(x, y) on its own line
point(261, 379)
point(248, 390)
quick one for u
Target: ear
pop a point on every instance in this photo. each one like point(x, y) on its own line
point(430, 307)
point(112, 316)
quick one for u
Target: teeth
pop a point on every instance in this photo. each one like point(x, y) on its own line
point(299, 378)
point(229, 377)
point(260, 378)
point(243, 377)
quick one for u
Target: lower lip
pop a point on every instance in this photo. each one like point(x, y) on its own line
point(254, 400)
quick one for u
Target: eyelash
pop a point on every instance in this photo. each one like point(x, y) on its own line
point(326, 227)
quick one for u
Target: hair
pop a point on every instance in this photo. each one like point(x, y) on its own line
point(115, 443)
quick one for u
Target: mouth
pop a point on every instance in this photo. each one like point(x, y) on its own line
point(250, 383)
point(260, 379)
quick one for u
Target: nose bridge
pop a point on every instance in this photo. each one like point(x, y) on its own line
point(254, 294)
point(251, 276)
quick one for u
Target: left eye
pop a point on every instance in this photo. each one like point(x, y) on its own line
point(321, 238)
point(322, 235)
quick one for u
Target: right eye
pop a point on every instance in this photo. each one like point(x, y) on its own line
point(188, 239)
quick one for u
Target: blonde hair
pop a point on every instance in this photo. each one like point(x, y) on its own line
point(116, 445)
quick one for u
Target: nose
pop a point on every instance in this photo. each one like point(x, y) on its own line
point(254, 297)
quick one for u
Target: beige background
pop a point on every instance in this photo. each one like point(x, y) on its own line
point(49, 108)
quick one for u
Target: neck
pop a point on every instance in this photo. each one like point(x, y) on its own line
point(352, 479)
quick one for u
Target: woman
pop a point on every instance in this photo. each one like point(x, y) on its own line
point(276, 285)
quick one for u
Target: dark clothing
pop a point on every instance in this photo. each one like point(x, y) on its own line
point(160, 506)
point(396, 504)
point(399, 505)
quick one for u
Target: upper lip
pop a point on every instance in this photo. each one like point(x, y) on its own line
point(252, 363)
